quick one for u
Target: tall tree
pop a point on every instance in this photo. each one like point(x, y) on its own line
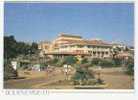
point(34, 47)
point(13, 48)
point(10, 45)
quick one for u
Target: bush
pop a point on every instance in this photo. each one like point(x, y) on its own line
point(106, 63)
point(92, 82)
point(76, 82)
point(130, 67)
point(99, 81)
point(95, 61)
point(70, 60)
point(53, 61)
point(9, 72)
point(60, 63)
point(83, 74)
point(117, 62)
point(43, 66)
point(84, 61)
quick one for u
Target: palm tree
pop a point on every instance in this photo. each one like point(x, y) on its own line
point(69, 60)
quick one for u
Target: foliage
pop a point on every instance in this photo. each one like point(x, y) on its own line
point(9, 47)
point(9, 72)
point(106, 63)
point(13, 48)
point(100, 81)
point(60, 63)
point(70, 60)
point(34, 48)
point(130, 66)
point(84, 60)
point(43, 66)
point(82, 74)
point(95, 61)
point(117, 61)
point(53, 61)
point(115, 52)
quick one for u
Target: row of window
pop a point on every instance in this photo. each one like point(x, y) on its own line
point(94, 52)
point(87, 46)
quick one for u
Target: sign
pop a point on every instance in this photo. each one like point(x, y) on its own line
point(14, 64)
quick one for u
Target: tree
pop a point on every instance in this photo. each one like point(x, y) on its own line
point(130, 66)
point(10, 46)
point(70, 60)
point(82, 75)
point(95, 61)
point(53, 61)
point(106, 63)
point(34, 47)
point(9, 72)
point(13, 48)
point(23, 48)
point(115, 52)
point(117, 61)
point(84, 60)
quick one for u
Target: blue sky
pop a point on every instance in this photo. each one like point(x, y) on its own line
point(44, 21)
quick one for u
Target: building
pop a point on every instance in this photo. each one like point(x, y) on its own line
point(44, 47)
point(121, 46)
point(66, 44)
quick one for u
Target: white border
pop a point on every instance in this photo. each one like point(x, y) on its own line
point(1, 42)
point(99, 94)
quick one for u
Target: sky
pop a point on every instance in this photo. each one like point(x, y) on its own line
point(34, 22)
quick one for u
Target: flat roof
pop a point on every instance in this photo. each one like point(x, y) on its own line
point(69, 35)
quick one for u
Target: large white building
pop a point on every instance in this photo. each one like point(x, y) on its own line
point(67, 44)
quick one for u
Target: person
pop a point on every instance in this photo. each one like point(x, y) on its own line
point(66, 71)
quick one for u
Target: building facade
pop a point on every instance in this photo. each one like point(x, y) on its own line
point(66, 44)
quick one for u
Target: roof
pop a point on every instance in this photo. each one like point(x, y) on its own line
point(67, 53)
point(84, 42)
point(124, 54)
point(69, 35)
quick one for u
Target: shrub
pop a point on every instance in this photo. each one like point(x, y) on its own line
point(95, 61)
point(130, 67)
point(70, 60)
point(9, 72)
point(76, 82)
point(53, 61)
point(99, 81)
point(83, 74)
point(106, 63)
point(84, 60)
point(91, 82)
point(43, 66)
point(117, 62)
point(60, 63)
